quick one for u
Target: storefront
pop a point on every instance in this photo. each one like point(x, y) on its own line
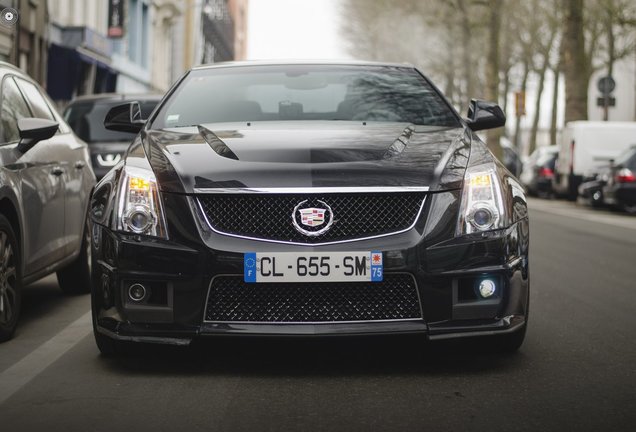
point(79, 63)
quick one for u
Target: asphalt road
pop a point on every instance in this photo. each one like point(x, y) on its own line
point(576, 371)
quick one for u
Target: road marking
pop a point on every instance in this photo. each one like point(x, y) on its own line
point(616, 221)
point(18, 375)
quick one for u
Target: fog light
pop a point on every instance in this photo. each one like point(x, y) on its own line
point(137, 292)
point(487, 288)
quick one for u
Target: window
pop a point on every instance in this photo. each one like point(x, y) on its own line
point(13, 108)
point(305, 92)
point(36, 100)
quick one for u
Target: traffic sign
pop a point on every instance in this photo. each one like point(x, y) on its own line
point(611, 101)
point(606, 85)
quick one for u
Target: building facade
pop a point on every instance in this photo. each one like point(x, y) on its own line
point(80, 54)
point(25, 44)
point(68, 46)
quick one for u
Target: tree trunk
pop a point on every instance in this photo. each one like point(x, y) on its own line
point(555, 105)
point(575, 69)
point(469, 70)
point(492, 70)
point(537, 108)
point(524, 85)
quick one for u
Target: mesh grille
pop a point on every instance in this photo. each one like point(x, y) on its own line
point(231, 299)
point(269, 216)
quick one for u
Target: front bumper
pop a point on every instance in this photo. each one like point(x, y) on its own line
point(444, 272)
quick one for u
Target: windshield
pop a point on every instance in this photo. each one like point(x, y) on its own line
point(87, 120)
point(307, 92)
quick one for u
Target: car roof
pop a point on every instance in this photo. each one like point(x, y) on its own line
point(299, 62)
point(117, 97)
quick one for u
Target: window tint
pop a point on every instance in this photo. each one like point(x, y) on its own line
point(13, 108)
point(35, 98)
point(305, 92)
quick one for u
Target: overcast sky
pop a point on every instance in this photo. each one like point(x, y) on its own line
point(294, 29)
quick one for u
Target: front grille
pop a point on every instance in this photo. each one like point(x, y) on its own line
point(269, 216)
point(230, 299)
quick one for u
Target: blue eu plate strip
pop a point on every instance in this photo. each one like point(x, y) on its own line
point(249, 267)
point(376, 266)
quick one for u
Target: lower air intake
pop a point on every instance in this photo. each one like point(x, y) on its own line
point(230, 299)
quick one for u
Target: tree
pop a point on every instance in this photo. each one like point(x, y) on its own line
point(575, 62)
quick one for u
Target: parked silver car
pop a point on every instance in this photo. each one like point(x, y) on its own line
point(45, 184)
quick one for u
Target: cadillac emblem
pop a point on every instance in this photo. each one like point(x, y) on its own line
point(318, 220)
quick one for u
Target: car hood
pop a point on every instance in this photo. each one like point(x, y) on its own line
point(307, 154)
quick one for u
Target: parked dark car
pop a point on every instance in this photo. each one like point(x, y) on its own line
point(85, 115)
point(510, 157)
point(45, 184)
point(538, 171)
point(615, 184)
point(308, 199)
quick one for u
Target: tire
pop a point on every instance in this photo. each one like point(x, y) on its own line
point(510, 342)
point(10, 280)
point(629, 208)
point(109, 347)
point(75, 278)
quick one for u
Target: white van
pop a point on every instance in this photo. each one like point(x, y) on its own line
point(585, 146)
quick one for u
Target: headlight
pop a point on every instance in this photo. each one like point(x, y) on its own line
point(482, 206)
point(140, 210)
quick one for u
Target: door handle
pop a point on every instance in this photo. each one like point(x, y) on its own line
point(57, 171)
point(79, 165)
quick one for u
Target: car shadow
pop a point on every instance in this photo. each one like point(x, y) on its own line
point(40, 299)
point(349, 356)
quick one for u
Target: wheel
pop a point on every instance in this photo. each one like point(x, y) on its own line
point(597, 199)
point(10, 280)
point(109, 347)
point(510, 342)
point(630, 208)
point(75, 278)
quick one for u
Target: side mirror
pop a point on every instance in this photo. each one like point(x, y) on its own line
point(485, 115)
point(125, 118)
point(34, 130)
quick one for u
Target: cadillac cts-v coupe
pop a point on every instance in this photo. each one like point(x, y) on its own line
point(308, 199)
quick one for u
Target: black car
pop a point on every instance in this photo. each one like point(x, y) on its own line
point(308, 199)
point(538, 171)
point(45, 185)
point(85, 115)
point(615, 184)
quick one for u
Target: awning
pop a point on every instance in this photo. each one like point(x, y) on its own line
point(65, 72)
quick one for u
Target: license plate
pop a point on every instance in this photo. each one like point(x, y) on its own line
point(313, 267)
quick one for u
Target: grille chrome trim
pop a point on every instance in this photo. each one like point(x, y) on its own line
point(417, 292)
point(313, 190)
point(239, 236)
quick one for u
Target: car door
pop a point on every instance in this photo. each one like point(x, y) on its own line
point(73, 157)
point(41, 183)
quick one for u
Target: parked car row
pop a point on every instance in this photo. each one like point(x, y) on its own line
point(594, 163)
point(47, 172)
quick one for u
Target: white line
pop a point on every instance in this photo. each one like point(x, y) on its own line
point(18, 375)
point(571, 213)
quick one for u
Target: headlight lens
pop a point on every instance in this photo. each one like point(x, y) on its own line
point(482, 206)
point(140, 210)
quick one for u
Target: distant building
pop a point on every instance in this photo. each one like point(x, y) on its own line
point(155, 42)
point(238, 12)
point(80, 54)
point(25, 44)
point(211, 31)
